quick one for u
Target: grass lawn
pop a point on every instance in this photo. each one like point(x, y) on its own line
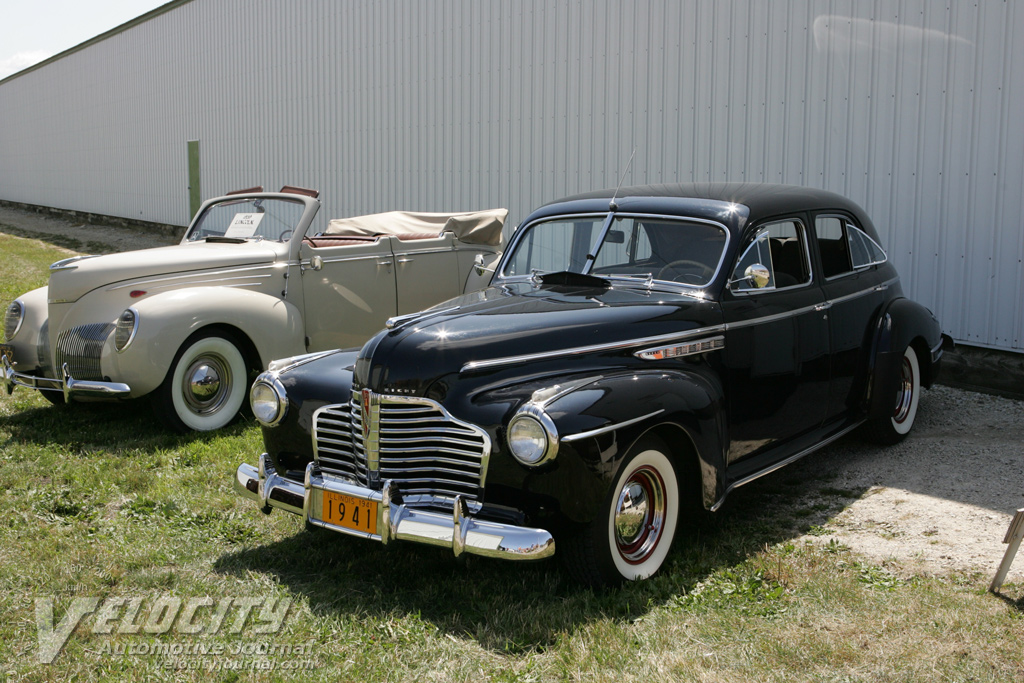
point(98, 502)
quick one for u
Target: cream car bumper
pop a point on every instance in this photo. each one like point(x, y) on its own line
point(67, 384)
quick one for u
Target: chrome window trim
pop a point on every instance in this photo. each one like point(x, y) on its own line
point(807, 259)
point(848, 223)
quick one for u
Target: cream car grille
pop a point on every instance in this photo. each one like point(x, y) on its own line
point(412, 441)
point(80, 348)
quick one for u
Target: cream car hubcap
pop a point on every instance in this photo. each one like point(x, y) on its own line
point(640, 515)
point(205, 384)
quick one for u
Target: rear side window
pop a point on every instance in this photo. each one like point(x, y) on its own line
point(844, 247)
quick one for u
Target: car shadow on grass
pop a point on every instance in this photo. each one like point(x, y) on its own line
point(517, 607)
point(115, 426)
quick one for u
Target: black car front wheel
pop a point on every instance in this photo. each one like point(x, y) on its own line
point(630, 540)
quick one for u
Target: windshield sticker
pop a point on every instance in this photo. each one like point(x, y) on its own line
point(244, 225)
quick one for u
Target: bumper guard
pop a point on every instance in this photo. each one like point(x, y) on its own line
point(458, 531)
point(10, 379)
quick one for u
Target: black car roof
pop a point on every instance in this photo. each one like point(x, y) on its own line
point(762, 199)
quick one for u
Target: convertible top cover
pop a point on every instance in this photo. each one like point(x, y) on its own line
point(474, 227)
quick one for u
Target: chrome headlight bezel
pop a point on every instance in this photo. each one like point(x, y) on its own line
point(125, 329)
point(268, 400)
point(532, 424)
point(15, 311)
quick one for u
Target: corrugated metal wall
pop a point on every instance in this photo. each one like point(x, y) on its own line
point(912, 108)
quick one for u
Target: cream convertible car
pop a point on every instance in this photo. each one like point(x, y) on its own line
point(189, 325)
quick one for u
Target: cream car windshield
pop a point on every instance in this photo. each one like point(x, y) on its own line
point(239, 220)
point(656, 248)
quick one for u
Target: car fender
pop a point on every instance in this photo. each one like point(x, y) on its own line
point(27, 341)
point(900, 323)
point(598, 422)
point(166, 320)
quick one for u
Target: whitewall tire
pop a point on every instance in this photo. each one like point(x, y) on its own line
point(206, 385)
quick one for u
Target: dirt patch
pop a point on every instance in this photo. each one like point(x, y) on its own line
point(79, 236)
point(941, 500)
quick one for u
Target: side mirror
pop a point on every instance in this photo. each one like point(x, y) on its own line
point(757, 276)
point(478, 264)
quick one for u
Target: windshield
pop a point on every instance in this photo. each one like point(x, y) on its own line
point(243, 219)
point(666, 249)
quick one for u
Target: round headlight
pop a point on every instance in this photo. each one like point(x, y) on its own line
point(12, 319)
point(125, 330)
point(268, 400)
point(532, 437)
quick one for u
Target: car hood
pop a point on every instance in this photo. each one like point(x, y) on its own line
point(522, 324)
point(79, 277)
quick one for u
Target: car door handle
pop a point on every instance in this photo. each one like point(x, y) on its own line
point(405, 260)
point(384, 262)
point(823, 307)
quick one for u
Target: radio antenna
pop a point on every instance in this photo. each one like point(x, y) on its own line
point(612, 206)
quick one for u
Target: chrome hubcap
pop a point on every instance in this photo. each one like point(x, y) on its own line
point(205, 384)
point(640, 515)
point(905, 394)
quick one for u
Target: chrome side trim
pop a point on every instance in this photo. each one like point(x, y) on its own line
point(70, 263)
point(685, 349)
point(203, 277)
point(783, 463)
point(459, 530)
point(595, 348)
point(610, 428)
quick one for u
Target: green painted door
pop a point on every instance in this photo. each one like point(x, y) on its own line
point(195, 195)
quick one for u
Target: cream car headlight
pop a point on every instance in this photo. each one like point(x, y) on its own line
point(124, 331)
point(269, 400)
point(532, 437)
point(13, 317)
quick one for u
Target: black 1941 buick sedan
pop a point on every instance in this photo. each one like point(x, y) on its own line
point(639, 354)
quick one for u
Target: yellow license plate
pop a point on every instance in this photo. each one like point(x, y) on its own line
point(351, 513)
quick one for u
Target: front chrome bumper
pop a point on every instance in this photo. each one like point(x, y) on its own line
point(458, 531)
point(67, 384)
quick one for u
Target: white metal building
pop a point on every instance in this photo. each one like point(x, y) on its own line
point(911, 107)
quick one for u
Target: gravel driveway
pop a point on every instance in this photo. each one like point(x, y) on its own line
point(939, 502)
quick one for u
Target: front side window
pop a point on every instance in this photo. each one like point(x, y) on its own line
point(665, 249)
point(775, 259)
point(244, 219)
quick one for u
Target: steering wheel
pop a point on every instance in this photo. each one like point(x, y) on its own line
point(703, 275)
point(285, 236)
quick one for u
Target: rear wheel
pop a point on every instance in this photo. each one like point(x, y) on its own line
point(632, 536)
point(205, 386)
point(893, 429)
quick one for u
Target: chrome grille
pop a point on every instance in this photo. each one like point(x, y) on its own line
point(412, 441)
point(80, 348)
